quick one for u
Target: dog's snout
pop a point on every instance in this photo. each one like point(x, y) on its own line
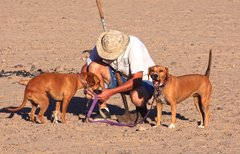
point(154, 76)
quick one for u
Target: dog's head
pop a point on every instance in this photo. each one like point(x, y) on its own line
point(91, 83)
point(158, 74)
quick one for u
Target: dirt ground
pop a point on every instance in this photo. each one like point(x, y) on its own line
point(51, 35)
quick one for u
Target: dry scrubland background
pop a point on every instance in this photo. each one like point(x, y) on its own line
point(51, 35)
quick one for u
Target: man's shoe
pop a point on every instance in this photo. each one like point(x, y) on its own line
point(142, 110)
point(97, 116)
point(141, 113)
point(104, 112)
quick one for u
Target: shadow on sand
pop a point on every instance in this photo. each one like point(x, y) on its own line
point(80, 106)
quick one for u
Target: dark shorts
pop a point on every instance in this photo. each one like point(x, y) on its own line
point(113, 82)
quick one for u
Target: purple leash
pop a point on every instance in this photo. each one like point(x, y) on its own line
point(95, 100)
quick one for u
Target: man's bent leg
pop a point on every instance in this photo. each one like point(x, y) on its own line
point(141, 95)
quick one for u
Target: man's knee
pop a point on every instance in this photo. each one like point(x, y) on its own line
point(94, 67)
point(101, 70)
point(140, 96)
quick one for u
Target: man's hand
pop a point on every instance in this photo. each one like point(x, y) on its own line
point(88, 93)
point(105, 95)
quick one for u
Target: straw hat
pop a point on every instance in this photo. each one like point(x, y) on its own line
point(111, 44)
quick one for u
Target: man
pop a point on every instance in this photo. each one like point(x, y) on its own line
point(116, 51)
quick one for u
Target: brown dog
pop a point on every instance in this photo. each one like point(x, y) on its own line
point(171, 90)
point(61, 87)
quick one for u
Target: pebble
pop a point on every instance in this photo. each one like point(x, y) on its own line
point(141, 128)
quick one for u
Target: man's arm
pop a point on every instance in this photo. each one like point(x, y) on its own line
point(130, 84)
point(133, 82)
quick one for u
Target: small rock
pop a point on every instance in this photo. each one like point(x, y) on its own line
point(33, 68)
point(36, 73)
point(141, 128)
point(192, 120)
point(18, 66)
point(219, 108)
point(173, 63)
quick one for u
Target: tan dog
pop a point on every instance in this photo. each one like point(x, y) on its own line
point(61, 87)
point(171, 90)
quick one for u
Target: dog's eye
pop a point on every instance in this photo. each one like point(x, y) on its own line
point(160, 70)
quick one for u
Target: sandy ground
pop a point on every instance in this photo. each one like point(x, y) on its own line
point(51, 35)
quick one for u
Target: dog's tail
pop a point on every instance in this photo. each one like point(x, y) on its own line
point(14, 109)
point(209, 64)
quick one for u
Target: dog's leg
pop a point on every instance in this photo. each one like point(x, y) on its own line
point(56, 112)
point(41, 114)
point(64, 108)
point(198, 105)
point(159, 113)
point(33, 110)
point(43, 102)
point(173, 111)
point(205, 103)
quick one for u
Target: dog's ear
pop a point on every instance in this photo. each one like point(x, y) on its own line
point(149, 69)
point(167, 72)
point(90, 79)
point(95, 82)
point(96, 79)
point(84, 75)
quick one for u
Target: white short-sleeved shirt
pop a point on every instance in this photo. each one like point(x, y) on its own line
point(135, 59)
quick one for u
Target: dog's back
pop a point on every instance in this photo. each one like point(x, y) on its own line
point(52, 79)
point(54, 84)
point(192, 84)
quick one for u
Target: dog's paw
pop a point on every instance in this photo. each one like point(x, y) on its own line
point(89, 96)
point(155, 126)
point(55, 118)
point(201, 126)
point(171, 126)
point(56, 121)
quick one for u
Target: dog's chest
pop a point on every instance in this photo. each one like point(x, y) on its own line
point(159, 96)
